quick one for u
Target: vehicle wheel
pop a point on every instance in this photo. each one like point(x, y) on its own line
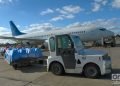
point(112, 45)
point(91, 71)
point(57, 69)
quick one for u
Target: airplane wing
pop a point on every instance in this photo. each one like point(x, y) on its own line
point(30, 39)
point(4, 37)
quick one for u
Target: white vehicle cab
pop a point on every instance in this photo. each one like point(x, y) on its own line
point(67, 54)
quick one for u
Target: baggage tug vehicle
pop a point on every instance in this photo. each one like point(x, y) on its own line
point(68, 55)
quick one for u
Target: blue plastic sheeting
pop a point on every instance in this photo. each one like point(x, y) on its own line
point(13, 55)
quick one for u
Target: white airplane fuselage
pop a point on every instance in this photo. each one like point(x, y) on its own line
point(86, 33)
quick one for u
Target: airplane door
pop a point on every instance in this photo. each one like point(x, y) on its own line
point(65, 49)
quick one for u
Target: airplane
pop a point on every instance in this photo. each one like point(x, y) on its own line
point(86, 33)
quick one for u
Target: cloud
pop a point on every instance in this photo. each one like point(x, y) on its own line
point(110, 24)
point(74, 25)
point(62, 17)
point(6, 1)
point(70, 9)
point(116, 4)
point(67, 12)
point(103, 2)
point(47, 11)
point(4, 32)
point(39, 27)
point(69, 16)
point(98, 4)
point(96, 7)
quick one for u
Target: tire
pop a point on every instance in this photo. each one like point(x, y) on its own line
point(112, 45)
point(91, 71)
point(57, 69)
point(15, 66)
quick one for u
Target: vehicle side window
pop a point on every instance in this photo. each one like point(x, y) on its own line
point(52, 44)
point(64, 42)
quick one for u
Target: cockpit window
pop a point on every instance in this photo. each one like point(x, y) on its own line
point(102, 29)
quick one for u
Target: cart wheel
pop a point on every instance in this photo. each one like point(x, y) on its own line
point(29, 64)
point(15, 66)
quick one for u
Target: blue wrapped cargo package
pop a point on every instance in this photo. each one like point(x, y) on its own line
point(38, 52)
point(32, 52)
point(14, 55)
point(22, 53)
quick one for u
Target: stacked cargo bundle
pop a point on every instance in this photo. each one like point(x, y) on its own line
point(15, 55)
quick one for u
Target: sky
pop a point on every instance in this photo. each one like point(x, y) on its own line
point(45, 15)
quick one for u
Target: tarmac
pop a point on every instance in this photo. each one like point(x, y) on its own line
point(36, 75)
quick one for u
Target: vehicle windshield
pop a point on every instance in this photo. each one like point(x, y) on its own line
point(77, 41)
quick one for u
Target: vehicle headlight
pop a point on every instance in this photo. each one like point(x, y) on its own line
point(106, 57)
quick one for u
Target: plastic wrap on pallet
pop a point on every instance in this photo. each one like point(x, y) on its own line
point(38, 52)
point(32, 52)
point(22, 53)
point(13, 55)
